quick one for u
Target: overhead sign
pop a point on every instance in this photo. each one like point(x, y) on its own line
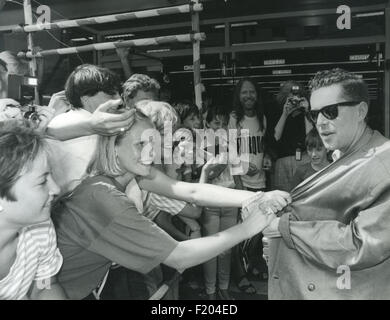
point(274, 62)
point(359, 57)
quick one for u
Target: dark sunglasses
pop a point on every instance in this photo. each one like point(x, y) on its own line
point(331, 111)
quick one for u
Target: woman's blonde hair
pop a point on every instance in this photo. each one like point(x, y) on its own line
point(105, 160)
point(159, 112)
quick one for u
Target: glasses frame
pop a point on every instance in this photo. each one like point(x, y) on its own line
point(312, 115)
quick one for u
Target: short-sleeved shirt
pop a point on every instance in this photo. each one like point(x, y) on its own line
point(37, 259)
point(253, 145)
point(69, 159)
point(97, 225)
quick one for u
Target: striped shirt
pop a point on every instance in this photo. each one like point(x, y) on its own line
point(156, 203)
point(37, 259)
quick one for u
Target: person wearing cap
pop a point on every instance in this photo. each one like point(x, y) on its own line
point(333, 241)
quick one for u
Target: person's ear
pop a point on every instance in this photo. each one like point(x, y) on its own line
point(84, 100)
point(362, 110)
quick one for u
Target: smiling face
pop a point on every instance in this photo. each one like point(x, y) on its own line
point(317, 155)
point(136, 150)
point(218, 122)
point(339, 133)
point(248, 96)
point(34, 192)
point(192, 122)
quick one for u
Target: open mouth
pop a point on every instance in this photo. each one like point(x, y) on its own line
point(147, 163)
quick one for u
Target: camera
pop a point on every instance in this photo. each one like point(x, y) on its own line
point(22, 88)
point(295, 99)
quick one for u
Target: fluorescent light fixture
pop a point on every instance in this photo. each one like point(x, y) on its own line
point(259, 42)
point(158, 50)
point(118, 36)
point(243, 24)
point(82, 39)
point(238, 24)
point(369, 14)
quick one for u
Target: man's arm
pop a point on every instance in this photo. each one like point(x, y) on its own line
point(100, 122)
point(49, 289)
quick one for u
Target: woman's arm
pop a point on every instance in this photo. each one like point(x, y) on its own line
point(196, 251)
point(199, 194)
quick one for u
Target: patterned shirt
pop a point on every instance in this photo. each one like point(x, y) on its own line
point(37, 259)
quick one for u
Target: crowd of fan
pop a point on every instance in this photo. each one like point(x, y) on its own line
point(89, 132)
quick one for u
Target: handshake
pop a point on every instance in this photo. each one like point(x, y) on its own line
point(259, 212)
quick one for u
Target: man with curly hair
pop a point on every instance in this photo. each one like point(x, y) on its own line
point(140, 87)
point(334, 240)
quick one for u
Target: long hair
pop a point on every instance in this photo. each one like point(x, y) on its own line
point(239, 110)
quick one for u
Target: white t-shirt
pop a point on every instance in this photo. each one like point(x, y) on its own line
point(254, 145)
point(37, 259)
point(69, 159)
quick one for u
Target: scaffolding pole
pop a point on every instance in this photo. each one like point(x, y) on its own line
point(33, 68)
point(196, 58)
point(114, 45)
point(105, 19)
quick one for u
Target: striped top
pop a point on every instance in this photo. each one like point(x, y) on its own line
point(37, 259)
point(156, 203)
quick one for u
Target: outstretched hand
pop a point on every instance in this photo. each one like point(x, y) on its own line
point(259, 211)
point(109, 119)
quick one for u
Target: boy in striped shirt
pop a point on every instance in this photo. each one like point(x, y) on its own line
point(29, 257)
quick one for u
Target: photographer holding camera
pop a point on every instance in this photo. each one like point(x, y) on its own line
point(290, 133)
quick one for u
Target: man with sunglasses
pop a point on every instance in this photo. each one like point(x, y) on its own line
point(333, 242)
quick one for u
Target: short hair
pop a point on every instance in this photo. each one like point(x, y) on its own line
point(313, 139)
point(216, 110)
point(19, 146)
point(158, 112)
point(88, 80)
point(105, 161)
point(186, 108)
point(354, 87)
point(138, 82)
